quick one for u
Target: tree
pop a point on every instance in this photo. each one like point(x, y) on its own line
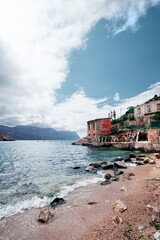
point(114, 114)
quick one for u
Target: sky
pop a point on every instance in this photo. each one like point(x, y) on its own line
point(65, 62)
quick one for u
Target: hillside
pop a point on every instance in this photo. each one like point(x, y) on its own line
point(36, 133)
point(5, 138)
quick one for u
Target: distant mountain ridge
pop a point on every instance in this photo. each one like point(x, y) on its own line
point(37, 133)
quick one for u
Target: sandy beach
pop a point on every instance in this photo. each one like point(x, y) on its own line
point(79, 220)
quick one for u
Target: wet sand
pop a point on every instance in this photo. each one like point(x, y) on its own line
point(78, 220)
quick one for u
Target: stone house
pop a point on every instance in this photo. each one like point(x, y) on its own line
point(143, 112)
point(98, 129)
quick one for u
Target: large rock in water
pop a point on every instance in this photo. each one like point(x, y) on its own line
point(107, 166)
point(57, 201)
point(95, 164)
point(120, 165)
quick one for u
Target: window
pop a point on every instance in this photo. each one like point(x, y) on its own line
point(139, 110)
point(148, 108)
point(88, 126)
point(93, 126)
point(158, 107)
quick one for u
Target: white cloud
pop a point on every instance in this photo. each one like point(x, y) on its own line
point(116, 97)
point(36, 39)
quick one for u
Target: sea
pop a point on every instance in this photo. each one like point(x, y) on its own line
point(33, 173)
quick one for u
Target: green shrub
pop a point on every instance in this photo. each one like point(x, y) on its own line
point(155, 116)
point(130, 110)
point(131, 118)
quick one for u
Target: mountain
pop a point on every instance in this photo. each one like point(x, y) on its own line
point(37, 133)
point(5, 138)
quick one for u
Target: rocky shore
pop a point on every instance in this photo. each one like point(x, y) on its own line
point(5, 138)
point(126, 209)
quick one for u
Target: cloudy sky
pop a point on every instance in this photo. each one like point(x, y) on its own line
point(64, 62)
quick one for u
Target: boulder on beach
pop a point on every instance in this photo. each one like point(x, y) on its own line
point(132, 155)
point(45, 215)
point(117, 173)
point(95, 164)
point(114, 178)
point(57, 201)
point(107, 166)
point(119, 206)
point(107, 175)
point(120, 165)
point(106, 182)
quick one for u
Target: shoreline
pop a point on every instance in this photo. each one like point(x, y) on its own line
point(79, 220)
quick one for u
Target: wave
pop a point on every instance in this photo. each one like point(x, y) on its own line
point(37, 202)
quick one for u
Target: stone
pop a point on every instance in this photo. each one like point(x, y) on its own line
point(95, 164)
point(117, 220)
point(157, 236)
point(107, 166)
point(118, 173)
point(92, 203)
point(119, 206)
point(132, 156)
point(76, 167)
point(157, 166)
point(154, 212)
point(118, 159)
point(89, 168)
point(127, 160)
point(105, 182)
point(152, 162)
point(114, 178)
point(140, 228)
point(57, 201)
point(157, 155)
point(104, 162)
point(123, 189)
point(45, 215)
point(107, 175)
point(146, 160)
point(131, 174)
point(120, 165)
point(127, 177)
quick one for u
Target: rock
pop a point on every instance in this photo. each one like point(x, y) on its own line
point(89, 168)
point(154, 212)
point(118, 173)
point(140, 228)
point(92, 203)
point(131, 174)
point(118, 159)
point(146, 160)
point(127, 176)
point(141, 155)
point(120, 165)
point(117, 220)
point(127, 160)
point(107, 175)
point(114, 178)
point(152, 162)
point(44, 215)
point(119, 206)
point(157, 155)
point(140, 159)
point(107, 166)
point(76, 167)
point(157, 166)
point(157, 235)
point(95, 164)
point(123, 189)
point(103, 162)
point(132, 156)
point(57, 201)
point(105, 182)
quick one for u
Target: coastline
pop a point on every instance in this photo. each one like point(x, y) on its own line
point(79, 220)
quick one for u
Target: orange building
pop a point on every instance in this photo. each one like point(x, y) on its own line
point(98, 129)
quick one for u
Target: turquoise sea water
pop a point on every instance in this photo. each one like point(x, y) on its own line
point(32, 173)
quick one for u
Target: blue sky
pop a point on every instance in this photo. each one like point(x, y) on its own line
point(64, 62)
point(127, 63)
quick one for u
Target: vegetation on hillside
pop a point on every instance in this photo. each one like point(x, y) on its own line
point(128, 115)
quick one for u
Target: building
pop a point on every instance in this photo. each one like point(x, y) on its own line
point(147, 108)
point(98, 129)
